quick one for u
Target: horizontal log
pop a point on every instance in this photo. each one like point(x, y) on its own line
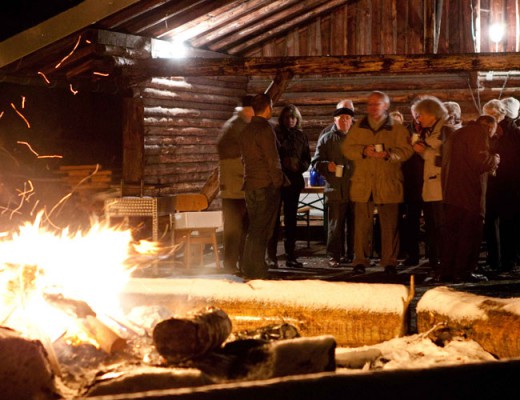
point(201, 122)
point(187, 96)
point(182, 158)
point(400, 96)
point(180, 131)
point(179, 140)
point(167, 112)
point(174, 150)
point(152, 102)
point(184, 86)
point(347, 84)
point(182, 187)
point(158, 170)
point(323, 65)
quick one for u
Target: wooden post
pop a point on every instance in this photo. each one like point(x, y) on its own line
point(133, 147)
point(278, 85)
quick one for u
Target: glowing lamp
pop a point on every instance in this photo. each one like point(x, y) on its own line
point(497, 31)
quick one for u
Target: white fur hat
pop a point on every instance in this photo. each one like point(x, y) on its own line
point(512, 106)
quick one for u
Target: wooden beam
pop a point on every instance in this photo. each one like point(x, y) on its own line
point(66, 23)
point(323, 65)
point(278, 85)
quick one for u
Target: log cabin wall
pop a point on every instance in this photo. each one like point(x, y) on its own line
point(392, 27)
point(182, 118)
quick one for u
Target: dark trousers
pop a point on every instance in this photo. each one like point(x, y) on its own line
point(462, 236)
point(234, 212)
point(410, 228)
point(340, 229)
point(290, 197)
point(434, 219)
point(262, 209)
point(502, 240)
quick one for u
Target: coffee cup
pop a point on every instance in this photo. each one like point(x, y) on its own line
point(339, 171)
point(379, 147)
point(415, 138)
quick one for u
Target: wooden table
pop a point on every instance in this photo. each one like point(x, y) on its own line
point(316, 203)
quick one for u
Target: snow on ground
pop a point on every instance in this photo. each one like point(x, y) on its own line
point(414, 352)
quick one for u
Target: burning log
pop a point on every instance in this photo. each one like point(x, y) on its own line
point(25, 370)
point(108, 340)
point(179, 339)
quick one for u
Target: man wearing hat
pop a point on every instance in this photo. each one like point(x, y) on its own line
point(327, 158)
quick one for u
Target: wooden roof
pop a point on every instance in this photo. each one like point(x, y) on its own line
point(105, 45)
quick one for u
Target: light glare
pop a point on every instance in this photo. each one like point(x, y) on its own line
point(496, 32)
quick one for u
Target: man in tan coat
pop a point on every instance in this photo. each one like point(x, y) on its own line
point(378, 146)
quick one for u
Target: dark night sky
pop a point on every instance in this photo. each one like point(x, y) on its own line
point(18, 15)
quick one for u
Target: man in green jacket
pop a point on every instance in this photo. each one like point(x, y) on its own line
point(231, 176)
point(377, 146)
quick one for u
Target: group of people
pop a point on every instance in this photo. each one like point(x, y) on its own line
point(267, 165)
point(435, 167)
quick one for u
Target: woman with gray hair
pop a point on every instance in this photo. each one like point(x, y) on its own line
point(431, 114)
point(454, 116)
point(502, 227)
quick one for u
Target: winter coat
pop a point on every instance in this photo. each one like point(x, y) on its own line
point(258, 146)
point(329, 149)
point(231, 169)
point(466, 159)
point(433, 138)
point(295, 156)
point(504, 188)
point(378, 179)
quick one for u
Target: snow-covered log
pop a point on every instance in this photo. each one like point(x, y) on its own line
point(355, 314)
point(494, 323)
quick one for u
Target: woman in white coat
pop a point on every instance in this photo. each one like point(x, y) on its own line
point(431, 114)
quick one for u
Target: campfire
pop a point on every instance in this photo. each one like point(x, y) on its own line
point(64, 332)
point(62, 289)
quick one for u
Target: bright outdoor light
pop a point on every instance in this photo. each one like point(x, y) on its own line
point(497, 31)
point(168, 49)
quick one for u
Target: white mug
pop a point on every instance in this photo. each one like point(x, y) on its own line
point(415, 138)
point(339, 171)
point(379, 147)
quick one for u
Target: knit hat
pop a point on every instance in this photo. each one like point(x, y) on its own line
point(512, 106)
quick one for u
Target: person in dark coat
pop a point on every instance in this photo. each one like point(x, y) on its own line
point(295, 157)
point(411, 207)
point(503, 200)
point(466, 161)
point(327, 156)
point(263, 179)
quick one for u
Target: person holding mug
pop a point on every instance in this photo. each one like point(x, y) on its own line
point(336, 169)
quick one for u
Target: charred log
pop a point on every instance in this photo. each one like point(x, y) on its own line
point(25, 371)
point(179, 339)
